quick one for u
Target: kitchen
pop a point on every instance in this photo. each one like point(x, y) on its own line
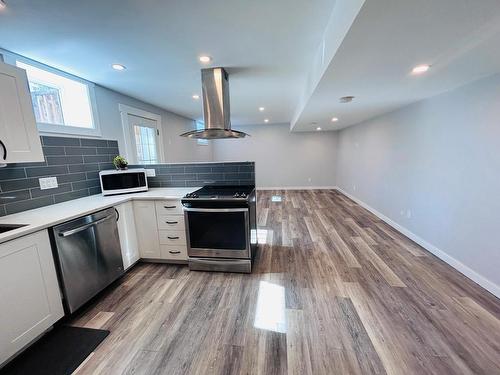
point(271, 187)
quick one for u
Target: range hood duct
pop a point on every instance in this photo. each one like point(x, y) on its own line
point(215, 90)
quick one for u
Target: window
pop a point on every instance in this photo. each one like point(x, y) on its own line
point(61, 104)
point(145, 142)
point(200, 126)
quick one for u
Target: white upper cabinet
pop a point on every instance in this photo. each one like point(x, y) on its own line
point(18, 131)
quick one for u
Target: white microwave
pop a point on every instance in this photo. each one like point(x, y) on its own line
point(123, 181)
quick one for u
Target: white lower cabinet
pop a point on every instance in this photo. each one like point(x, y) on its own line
point(160, 229)
point(147, 230)
point(170, 252)
point(128, 234)
point(29, 292)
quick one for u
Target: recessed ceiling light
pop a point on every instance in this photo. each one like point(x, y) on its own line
point(266, 120)
point(318, 128)
point(335, 119)
point(419, 69)
point(118, 67)
point(196, 97)
point(346, 99)
point(205, 59)
point(261, 109)
point(2, 4)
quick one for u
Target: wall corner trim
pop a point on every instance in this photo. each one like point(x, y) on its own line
point(456, 264)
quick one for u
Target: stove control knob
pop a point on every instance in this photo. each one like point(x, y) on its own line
point(236, 195)
point(243, 195)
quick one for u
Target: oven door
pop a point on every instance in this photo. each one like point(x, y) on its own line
point(218, 232)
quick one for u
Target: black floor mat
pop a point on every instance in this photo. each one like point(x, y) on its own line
point(59, 352)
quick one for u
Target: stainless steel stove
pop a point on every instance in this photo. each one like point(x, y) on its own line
point(221, 228)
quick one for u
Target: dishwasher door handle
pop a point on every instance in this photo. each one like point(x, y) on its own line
point(83, 227)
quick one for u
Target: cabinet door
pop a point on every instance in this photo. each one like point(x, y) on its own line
point(29, 292)
point(18, 130)
point(147, 230)
point(128, 234)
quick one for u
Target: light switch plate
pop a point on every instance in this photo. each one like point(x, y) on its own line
point(150, 172)
point(48, 183)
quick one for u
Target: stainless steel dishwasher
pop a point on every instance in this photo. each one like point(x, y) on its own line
point(89, 256)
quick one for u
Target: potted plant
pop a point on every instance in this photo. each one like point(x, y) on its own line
point(120, 162)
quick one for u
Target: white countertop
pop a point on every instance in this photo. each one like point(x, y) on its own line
point(48, 216)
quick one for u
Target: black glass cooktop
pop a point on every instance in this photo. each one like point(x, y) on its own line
point(222, 192)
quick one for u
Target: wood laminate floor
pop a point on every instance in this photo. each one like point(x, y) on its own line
point(334, 291)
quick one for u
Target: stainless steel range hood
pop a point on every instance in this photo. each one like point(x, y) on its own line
point(215, 89)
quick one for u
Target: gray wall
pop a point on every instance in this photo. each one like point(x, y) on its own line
point(177, 149)
point(283, 159)
point(440, 159)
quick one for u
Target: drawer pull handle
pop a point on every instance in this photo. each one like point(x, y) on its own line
point(172, 238)
point(174, 252)
point(172, 222)
point(169, 207)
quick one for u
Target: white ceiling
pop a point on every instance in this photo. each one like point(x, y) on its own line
point(264, 45)
point(459, 38)
point(268, 48)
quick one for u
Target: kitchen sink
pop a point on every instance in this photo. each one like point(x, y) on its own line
point(7, 227)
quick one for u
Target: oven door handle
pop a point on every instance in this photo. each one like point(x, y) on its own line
point(190, 209)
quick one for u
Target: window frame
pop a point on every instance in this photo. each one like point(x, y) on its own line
point(51, 129)
point(130, 147)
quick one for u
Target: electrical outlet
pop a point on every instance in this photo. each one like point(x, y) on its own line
point(354, 187)
point(309, 179)
point(48, 183)
point(150, 172)
point(408, 214)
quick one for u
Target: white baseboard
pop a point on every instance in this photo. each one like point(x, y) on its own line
point(296, 187)
point(459, 266)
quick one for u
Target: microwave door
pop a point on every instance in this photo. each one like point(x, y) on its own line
point(123, 182)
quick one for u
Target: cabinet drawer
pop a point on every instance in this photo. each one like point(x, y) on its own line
point(178, 252)
point(169, 206)
point(172, 237)
point(171, 222)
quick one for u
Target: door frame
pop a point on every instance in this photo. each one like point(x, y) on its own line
point(129, 154)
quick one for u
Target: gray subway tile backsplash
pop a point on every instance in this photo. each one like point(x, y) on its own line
point(196, 174)
point(81, 150)
point(43, 171)
point(76, 163)
point(12, 173)
point(60, 141)
point(94, 142)
point(64, 159)
point(13, 208)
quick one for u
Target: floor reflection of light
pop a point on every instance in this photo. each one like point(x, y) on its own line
point(276, 198)
point(262, 236)
point(270, 314)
